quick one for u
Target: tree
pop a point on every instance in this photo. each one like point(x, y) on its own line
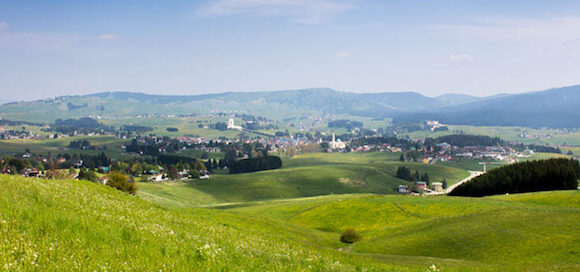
point(444, 183)
point(214, 164)
point(137, 169)
point(404, 173)
point(425, 178)
point(87, 174)
point(121, 182)
point(324, 146)
point(172, 172)
point(402, 158)
point(194, 173)
point(198, 165)
point(71, 171)
point(417, 176)
point(291, 152)
point(205, 155)
point(221, 126)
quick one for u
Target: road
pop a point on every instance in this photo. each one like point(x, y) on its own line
point(472, 174)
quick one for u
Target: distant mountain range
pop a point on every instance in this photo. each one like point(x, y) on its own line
point(551, 108)
point(556, 108)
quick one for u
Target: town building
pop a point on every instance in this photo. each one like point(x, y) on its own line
point(232, 125)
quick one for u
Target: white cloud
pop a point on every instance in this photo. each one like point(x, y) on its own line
point(342, 54)
point(461, 58)
point(299, 11)
point(107, 37)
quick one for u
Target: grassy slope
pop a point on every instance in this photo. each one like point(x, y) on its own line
point(538, 136)
point(60, 145)
point(304, 175)
point(62, 225)
point(71, 225)
point(506, 232)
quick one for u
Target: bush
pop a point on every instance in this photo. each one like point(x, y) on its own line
point(350, 236)
point(121, 182)
point(87, 174)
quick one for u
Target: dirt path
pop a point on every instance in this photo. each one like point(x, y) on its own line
point(472, 174)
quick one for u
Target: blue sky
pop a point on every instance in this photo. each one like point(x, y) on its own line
point(50, 48)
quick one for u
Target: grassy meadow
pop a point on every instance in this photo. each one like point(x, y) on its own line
point(515, 134)
point(530, 232)
point(67, 225)
point(301, 176)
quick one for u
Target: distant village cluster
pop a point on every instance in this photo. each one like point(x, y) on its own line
point(163, 158)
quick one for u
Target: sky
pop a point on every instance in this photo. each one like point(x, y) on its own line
point(52, 48)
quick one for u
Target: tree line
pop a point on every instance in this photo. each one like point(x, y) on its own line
point(405, 173)
point(531, 176)
point(255, 164)
point(463, 140)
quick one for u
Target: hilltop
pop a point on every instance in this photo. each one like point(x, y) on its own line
point(542, 108)
point(555, 108)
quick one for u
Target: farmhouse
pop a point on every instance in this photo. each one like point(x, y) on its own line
point(404, 189)
point(437, 186)
point(421, 184)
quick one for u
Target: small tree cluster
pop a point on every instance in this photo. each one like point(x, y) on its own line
point(87, 174)
point(406, 174)
point(256, 164)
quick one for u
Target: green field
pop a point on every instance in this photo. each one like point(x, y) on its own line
point(60, 145)
point(72, 226)
point(110, 145)
point(302, 176)
point(530, 232)
point(76, 225)
point(516, 134)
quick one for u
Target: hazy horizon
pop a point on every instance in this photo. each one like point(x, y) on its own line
point(184, 93)
point(477, 48)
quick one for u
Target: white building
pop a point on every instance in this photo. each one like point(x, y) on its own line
point(337, 144)
point(232, 126)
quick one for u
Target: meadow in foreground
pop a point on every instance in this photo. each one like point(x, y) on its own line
point(69, 225)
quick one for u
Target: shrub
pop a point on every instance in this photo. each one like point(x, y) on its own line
point(87, 174)
point(350, 236)
point(121, 182)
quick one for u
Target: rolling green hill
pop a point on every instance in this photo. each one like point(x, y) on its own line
point(506, 233)
point(302, 176)
point(64, 225)
point(274, 104)
point(532, 109)
point(70, 225)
